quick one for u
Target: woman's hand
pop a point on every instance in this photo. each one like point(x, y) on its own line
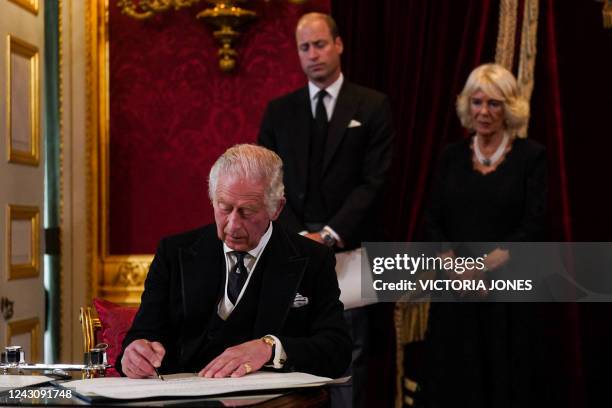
point(497, 258)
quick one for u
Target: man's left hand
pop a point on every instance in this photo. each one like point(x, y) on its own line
point(315, 236)
point(239, 360)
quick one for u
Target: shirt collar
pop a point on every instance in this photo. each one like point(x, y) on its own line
point(333, 90)
point(255, 252)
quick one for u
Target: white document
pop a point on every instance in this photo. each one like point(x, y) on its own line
point(190, 385)
point(348, 270)
point(17, 381)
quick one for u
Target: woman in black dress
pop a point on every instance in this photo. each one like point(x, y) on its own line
point(489, 188)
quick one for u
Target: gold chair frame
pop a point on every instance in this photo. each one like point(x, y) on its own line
point(89, 326)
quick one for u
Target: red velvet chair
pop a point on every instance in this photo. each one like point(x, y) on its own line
point(110, 326)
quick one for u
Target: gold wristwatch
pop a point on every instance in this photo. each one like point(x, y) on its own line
point(269, 340)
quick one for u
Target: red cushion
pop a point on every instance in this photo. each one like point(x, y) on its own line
point(116, 321)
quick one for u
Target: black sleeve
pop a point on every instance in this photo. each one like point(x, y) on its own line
point(326, 351)
point(351, 215)
point(267, 139)
point(532, 226)
point(434, 210)
point(152, 319)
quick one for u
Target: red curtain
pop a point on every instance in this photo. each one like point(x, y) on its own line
point(570, 112)
point(172, 112)
point(563, 356)
point(571, 107)
point(419, 53)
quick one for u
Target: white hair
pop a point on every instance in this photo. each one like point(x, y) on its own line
point(251, 162)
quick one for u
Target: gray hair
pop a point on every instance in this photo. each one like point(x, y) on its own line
point(250, 161)
point(495, 81)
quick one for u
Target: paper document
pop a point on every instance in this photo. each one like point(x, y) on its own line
point(17, 381)
point(348, 270)
point(190, 385)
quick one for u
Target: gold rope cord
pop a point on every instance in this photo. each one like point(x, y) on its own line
point(607, 14)
point(410, 320)
point(529, 36)
point(506, 33)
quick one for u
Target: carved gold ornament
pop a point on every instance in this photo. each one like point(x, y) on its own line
point(225, 16)
point(132, 273)
point(144, 9)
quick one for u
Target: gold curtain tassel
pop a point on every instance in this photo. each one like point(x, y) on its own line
point(607, 14)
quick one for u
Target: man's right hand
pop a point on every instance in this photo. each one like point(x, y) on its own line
point(139, 358)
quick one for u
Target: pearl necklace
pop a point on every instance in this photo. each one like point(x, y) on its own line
point(495, 157)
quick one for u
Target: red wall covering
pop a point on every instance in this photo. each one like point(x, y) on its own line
point(172, 112)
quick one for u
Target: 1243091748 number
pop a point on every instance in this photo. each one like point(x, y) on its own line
point(29, 393)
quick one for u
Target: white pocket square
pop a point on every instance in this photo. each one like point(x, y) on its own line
point(354, 123)
point(299, 301)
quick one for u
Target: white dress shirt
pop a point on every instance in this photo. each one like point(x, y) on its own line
point(330, 99)
point(226, 307)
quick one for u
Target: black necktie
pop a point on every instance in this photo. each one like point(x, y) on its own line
point(319, 136)
point(321, 113)
point(314, 206)
point(237, 277)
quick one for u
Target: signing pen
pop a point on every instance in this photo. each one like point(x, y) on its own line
point(161, 377)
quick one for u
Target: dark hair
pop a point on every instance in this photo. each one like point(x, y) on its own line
point(333, 27)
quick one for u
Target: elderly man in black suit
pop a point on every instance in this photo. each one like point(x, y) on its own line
point(228, 299)
point(335, 139)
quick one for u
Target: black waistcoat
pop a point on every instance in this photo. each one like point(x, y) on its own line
point(218, 334)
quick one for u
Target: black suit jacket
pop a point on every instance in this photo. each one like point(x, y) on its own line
point(355, 164)
point(185, 284)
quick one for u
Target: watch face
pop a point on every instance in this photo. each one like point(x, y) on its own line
point(328, 239)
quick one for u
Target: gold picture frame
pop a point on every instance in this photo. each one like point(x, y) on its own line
point(26, 326)
point(22, 101)
point(23, 252)
point(30, 5)
point(118, 278)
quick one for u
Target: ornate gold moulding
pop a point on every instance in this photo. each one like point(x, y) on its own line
point(225, 16)
point(123, 278)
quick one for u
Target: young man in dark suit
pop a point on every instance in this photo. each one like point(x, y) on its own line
point(335, 139)
point(228, 299)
